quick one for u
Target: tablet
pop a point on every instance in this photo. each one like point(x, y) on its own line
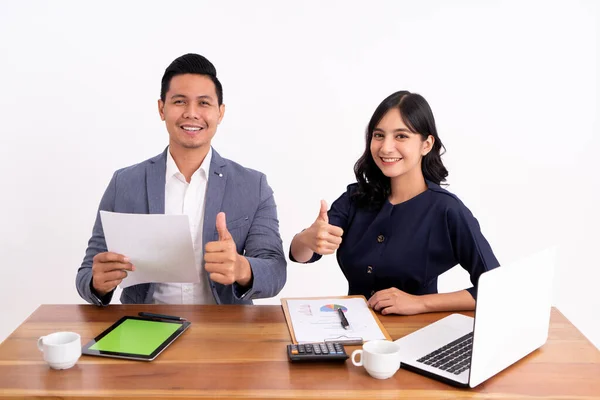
point(135, 338)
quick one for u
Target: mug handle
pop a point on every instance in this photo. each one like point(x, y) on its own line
point(40, 343)
point(355, 353)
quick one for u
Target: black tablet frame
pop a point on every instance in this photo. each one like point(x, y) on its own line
point(183, 325)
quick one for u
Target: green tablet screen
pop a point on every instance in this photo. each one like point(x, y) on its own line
point(136, 336)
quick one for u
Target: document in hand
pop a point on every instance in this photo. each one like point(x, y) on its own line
point(158, 245)
point(318, 320)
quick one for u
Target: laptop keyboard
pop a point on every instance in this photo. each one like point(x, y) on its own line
point(455, 357)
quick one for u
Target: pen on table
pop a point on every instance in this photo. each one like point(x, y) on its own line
point(344, 321)
point(161, 316)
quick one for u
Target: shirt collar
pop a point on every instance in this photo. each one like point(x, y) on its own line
point(172, 169)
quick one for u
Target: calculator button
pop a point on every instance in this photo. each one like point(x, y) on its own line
point(324, 348)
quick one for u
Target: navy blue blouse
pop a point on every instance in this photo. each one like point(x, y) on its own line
point(408, 245)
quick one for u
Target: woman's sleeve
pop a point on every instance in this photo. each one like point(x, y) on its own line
point(471, 249)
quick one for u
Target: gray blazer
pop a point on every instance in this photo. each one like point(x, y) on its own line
point(243, 194)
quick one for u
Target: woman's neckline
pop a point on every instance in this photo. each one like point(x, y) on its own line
point(409, 199)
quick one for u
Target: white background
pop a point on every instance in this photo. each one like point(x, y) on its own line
point(513, 86)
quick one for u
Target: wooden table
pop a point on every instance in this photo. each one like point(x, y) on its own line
point(239, 352)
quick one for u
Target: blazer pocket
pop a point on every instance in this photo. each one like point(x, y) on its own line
point(237, 223)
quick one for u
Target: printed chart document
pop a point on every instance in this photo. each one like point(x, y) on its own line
point(158, 245)
point(318, 320)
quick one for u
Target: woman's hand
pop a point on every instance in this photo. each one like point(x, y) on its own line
point(395, 301)
point(321, 238)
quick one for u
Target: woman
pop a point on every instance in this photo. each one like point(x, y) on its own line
point(396, 230)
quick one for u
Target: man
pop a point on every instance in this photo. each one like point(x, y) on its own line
point(233, 217)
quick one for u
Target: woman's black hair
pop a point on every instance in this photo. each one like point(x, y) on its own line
point(373, 186)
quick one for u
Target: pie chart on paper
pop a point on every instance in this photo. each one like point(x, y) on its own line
point(332, 308)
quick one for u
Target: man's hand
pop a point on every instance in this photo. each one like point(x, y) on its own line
point(321, 237)
point(222, 260)
point(395, 301)
point(108, 270)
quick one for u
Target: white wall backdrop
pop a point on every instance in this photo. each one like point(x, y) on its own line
point(513, 85)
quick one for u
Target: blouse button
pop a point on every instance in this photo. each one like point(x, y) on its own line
point(380, 238)
point(369, 269)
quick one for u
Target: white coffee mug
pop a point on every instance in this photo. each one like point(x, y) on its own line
point(381, 358)
point(61, 349)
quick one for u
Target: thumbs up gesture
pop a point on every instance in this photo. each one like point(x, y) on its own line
point(221, 259)
point(321, 237)
point(323, 212)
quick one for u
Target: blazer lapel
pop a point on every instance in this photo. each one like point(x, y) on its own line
point(217, 180)
point(155, 183)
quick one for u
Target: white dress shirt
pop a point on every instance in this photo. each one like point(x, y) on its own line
point(188, 199)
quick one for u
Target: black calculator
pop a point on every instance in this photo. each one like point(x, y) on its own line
point(311, 352)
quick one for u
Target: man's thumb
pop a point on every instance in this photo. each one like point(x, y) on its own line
point(222, 227)
point(323, 212)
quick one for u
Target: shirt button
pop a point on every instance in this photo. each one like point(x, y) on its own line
point(369, 269)
point(380, 238)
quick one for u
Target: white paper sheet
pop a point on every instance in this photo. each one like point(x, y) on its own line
point(158, 245)
point(317, 320)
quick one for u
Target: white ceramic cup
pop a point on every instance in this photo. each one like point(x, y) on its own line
point(61, 349)
point(381, 358)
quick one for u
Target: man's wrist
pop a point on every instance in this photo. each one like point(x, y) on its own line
point(99, 299)
point(244, 271)
point(96, 291)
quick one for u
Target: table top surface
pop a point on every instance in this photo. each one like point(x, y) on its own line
point(240, 352)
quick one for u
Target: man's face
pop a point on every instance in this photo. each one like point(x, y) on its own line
point(191, 111)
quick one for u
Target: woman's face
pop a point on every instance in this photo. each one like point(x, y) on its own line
point(396, 150)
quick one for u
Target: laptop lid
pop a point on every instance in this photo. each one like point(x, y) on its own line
point(512, 314)
point(511, 320)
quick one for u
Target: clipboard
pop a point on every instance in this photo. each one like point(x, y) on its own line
point(342, 338)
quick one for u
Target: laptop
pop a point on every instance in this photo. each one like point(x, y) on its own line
point(512, 317)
